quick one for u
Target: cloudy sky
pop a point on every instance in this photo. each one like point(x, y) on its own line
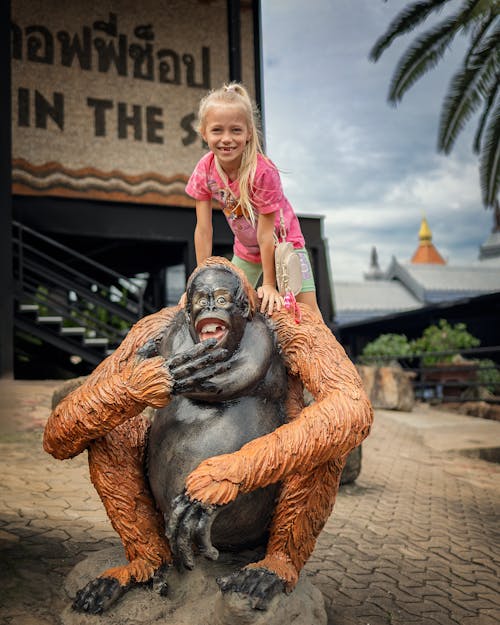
point(370, 169)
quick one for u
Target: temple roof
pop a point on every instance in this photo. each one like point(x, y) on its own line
point(427, 279)
point(376, 298)
point(431, 283)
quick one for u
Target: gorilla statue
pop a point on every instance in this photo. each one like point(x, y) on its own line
point(232, 457)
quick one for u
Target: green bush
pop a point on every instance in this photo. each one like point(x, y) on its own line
point(385, 348)
point(443, 337)
point(489, 376)
point(440, 337)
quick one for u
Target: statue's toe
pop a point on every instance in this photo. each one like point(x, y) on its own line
point(258, 584)
point(98, 595)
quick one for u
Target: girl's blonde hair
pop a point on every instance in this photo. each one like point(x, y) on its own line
point(235, 93)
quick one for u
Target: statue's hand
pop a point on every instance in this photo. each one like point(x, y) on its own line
point(188, 527)
point(193, 370)
point(217, 480)
point(149, 381)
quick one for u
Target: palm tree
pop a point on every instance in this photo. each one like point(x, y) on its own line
point(475, 86)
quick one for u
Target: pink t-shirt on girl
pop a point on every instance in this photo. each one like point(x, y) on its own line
point(266, 197)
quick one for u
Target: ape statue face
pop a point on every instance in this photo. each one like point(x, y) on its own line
point(217, 307)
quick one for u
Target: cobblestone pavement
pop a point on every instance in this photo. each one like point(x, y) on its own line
point(414, 540)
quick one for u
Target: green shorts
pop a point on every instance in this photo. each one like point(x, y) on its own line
point(253, 271)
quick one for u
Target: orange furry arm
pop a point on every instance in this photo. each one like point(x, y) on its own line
point(118, 389)
point(331, 427)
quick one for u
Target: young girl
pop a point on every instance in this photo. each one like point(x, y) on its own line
point(248, 187)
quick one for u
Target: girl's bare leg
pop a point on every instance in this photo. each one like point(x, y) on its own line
point(309, 298)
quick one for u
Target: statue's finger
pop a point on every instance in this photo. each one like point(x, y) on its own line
point(208, 358)
point(200, 379)
point(203, 534)
point(179, 507)
point(199, 363)
point(190, 354)
point(185, 555)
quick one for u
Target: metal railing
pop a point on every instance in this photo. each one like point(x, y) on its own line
point(59, 283)
point(474, 376)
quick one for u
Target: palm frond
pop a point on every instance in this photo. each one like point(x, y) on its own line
point(489, 49)
point(430, 47)
point(476, 85)
point(476, 145)
point(407, 20)
point(480, 28)
point(477, 10)
point(469, 87)
point(419, 58)
point(489, 163)
point(461, 102)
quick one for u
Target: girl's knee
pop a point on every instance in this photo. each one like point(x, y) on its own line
point(309, 298)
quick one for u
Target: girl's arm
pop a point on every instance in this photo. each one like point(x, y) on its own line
point(265, 237)
point(203, 233)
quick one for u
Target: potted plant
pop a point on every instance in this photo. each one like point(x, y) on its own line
point(443, 366)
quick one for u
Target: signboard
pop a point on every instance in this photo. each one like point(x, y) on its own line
point(105, 94)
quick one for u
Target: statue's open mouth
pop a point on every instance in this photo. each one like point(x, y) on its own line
point(211, 328)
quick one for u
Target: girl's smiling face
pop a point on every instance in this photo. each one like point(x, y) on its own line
point(226, 132)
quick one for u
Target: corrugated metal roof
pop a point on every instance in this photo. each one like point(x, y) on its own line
point(467, 280)
point(376, 295)
point(493, 261)
point(408, 287)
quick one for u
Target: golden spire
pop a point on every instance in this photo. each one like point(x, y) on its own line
point(425, 234)
point(426, 252)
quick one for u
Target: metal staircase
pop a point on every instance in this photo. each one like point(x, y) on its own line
point(68, 304)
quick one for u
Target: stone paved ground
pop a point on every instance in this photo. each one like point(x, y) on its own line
point(414, 540)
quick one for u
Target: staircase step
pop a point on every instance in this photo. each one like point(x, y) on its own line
point(50, 319)
point(95, 341)
point(29, 308)
point(73, 331)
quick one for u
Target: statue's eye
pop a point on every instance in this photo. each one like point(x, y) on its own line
point(221, 300)
point(203, 301)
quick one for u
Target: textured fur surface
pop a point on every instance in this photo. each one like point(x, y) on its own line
point(305, 455)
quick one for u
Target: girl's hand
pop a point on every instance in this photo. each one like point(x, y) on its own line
point(271, 299)
point(182, 301)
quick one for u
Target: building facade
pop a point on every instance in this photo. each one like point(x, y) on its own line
point(99, 140)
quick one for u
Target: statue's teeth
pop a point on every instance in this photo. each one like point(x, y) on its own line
point(210, 327)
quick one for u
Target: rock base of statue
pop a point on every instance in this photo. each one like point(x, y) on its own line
point(193, 598)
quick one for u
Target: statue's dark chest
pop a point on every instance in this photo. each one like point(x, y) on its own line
point(188, 431)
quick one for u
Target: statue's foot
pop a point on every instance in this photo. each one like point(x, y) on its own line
point(98, 595)
point(160, 580)
point(258, 584)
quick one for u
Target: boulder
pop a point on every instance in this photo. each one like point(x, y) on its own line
point(388, 387)
point(193, 597)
